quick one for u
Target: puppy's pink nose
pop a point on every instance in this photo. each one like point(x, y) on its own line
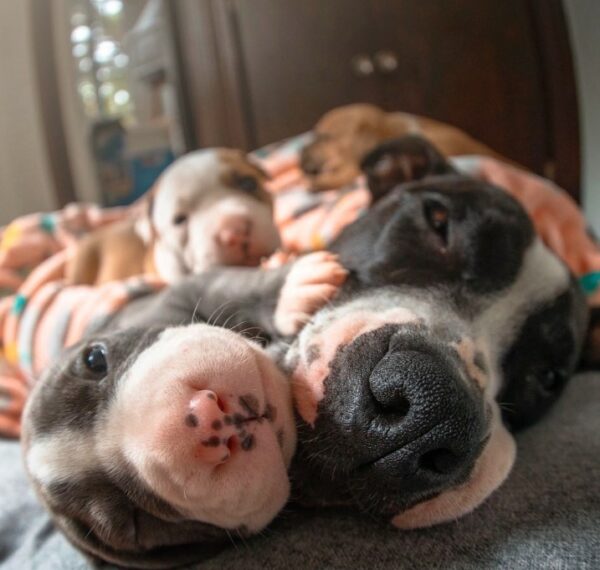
point(233, 231)
point(206, 418)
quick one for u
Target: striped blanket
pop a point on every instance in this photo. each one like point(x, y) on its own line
point(40, 315)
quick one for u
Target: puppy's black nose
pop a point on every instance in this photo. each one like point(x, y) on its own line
point(310, 164)
point(430, 422)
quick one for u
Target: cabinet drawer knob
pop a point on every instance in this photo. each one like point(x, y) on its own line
point(363, 65)
point(386, 61)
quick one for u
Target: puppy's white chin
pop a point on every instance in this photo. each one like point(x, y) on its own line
point(490, 471)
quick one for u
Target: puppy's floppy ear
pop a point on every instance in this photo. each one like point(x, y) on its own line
point(402, 160)
point(108, 526)
point(144, 226)
point(543, 357)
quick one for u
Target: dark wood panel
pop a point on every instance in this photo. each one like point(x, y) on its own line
point(261, 70)
point(560, 89)
point(297, 60)
point(473, 63)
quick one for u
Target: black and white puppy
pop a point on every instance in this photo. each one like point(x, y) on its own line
point(454, 312)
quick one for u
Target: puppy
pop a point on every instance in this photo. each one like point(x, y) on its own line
point(208, 208)
point(454, 315)
point(452, 307)
point(345, 135)
point(151, 443)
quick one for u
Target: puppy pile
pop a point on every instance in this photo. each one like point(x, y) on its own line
point(161, 433)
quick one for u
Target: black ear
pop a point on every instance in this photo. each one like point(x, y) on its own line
point(543, 358)
point(402, 160)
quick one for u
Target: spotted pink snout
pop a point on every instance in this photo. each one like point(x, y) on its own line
point(211, 427)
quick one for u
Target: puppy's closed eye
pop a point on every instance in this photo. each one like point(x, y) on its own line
point(437, 217)
point(179, 219)
point(247, 183)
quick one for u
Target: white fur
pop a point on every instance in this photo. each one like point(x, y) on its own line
point(64, 455)
point(541, 278)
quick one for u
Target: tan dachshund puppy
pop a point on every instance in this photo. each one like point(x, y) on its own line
point(209, 208)
point(345, 135)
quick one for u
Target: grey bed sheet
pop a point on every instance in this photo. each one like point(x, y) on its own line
point(547, 515)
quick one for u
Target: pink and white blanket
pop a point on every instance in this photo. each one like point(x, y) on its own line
point(40, 315)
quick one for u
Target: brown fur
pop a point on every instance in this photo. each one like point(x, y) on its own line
point(238, 167)
point(110, 253)
point(346, 134)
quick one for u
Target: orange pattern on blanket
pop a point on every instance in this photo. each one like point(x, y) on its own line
point(40, 315)
point(556, 216)
point(33, 250)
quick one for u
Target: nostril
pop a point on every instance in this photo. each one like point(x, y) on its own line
point(222, 405)
point(311, 166)
point(230, 238)
point(216, 398)
point(442, 461)
point(232, 443)
point(396, 404)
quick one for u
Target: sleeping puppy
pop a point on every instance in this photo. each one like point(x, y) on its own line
point(345, 135)
point(452, 308)
point(208, 208)
point(152, 443)
point(453, 312)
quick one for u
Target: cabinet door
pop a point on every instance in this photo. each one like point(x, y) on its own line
point(298, 60)
point(473, 63)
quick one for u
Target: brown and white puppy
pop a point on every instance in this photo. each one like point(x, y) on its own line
point(154, 445)
point(209, 208)
point(345, 135)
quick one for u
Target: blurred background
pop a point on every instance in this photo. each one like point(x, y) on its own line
point(97, 97)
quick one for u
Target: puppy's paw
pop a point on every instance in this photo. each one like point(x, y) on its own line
point(312, 281)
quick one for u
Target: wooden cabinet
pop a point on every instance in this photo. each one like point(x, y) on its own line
point(500, 70)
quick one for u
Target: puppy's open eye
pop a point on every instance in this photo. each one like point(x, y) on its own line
point(94, 359)
point(247, 183)
point(179, 219)
point(437, 217)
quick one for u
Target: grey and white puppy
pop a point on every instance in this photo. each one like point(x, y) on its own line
point(153, 440)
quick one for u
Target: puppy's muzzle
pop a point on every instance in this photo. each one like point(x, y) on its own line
point(413, 418)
